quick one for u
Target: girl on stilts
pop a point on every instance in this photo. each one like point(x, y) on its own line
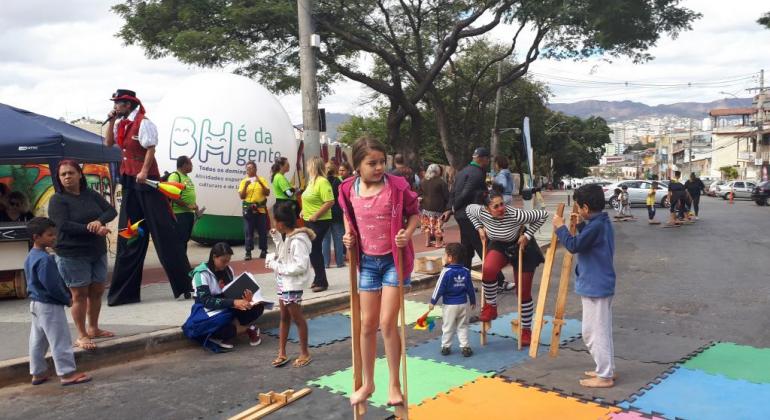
point(500, 224)
point(381, 214)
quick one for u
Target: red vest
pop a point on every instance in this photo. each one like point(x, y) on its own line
point(133, 152)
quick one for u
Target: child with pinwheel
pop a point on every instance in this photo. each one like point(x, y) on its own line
point(454, 287)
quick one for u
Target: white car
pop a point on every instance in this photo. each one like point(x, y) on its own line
point(714, 187)
point(740, 188)
point(637, 192)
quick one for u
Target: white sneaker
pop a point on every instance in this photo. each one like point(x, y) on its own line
point(507, 286)
point(221, 343)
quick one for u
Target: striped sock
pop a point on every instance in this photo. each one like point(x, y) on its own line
point(490, 293)
point(527, 309)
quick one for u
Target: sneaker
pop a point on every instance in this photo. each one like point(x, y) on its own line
point(254, 338)
point(262, 255)
point(526, 336)
point(506, 286)
point(248, 255)
point(446, 351)
point(467, 352)
point(317, 289)
point(488, 313)
point(221, 343)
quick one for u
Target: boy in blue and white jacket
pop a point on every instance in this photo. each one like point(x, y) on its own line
point(595, 279)
point(455, 289)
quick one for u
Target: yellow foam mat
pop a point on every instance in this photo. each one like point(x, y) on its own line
point(493, 398)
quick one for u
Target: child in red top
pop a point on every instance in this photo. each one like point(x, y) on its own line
point(381, 214)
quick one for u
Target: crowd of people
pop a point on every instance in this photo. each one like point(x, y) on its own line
point(362, 209)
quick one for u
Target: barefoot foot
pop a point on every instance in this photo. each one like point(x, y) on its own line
point(395, 397)
point(597, 383)
point(361, 395)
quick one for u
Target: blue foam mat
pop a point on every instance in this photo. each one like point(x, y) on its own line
point(502, 327)
point(499, 354)
point(322, 330)
point(694, 394)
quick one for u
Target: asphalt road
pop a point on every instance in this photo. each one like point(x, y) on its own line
point(709, 280)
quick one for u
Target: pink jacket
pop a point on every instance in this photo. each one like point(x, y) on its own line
point(404, 205)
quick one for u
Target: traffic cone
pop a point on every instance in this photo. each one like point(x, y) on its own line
point(732, 197)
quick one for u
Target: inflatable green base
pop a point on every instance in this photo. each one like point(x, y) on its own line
point(210, 229)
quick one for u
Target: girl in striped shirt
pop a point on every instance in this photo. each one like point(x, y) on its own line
point(502, 225)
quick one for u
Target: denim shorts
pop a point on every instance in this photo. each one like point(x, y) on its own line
point(377, 271)
point(290, 296)
point(82, 271)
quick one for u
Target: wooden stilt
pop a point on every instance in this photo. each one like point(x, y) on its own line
point(355, 330)
point(402, 411)
point(270, 402)
point(484, 325)
point(561, 296)
point(542, 296)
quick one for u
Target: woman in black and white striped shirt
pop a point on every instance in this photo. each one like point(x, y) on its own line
point(502, 225)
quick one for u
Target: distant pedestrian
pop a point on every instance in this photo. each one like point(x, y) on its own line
point(317, 202)
point(48, 295)
point(595, 282)
point(185, 208)
point(402, 169)
point(16, 209)
point(337, 228)
point(695, 187)
point(253, 191)
point(625, 203)
point(676, 198)
point(293, 273)
point(650, 202)
point(616, 204)
point(345, 171)
point(504, 178)
point(455, 289)
point(435, 207)
point(284, 191)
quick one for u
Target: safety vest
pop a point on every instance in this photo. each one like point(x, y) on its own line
point(133, 152)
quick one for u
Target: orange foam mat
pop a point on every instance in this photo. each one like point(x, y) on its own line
point(493, 398)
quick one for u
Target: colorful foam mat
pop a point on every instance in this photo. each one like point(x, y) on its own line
point(494, 398)
point(322, 330)
point(502, 327)
point(414, 310)
point(499, 354)
point(734, 361)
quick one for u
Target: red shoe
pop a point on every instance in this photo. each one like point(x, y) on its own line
point(254, 337)
point(526, 336)
point(488, 313)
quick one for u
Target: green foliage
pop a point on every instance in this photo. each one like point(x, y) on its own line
point(729, 172)
point(765, 20)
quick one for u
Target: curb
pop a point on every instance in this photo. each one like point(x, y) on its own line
point(133, 347)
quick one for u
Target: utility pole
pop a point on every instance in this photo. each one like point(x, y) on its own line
point(308, 85)
point(495, 130)
point(760, 120)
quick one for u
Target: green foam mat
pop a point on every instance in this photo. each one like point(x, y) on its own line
point(734, 361)
point(414, 310)
point(426, 380)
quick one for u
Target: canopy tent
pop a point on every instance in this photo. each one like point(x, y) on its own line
point(28, 137)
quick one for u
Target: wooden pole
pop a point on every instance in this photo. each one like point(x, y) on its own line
point(520, 279)
point(355, 329)
point(402, 411)
point(542, 296)
point(561, 296)
point(484, 325)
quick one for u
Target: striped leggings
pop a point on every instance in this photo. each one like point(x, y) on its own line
point(494, 262)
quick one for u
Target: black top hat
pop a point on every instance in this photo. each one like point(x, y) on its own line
point(124, 95)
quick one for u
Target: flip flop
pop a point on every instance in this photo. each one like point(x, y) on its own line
point(102, 334)
point(40, 381)
point(280, 361)
point(85, 345)
point(302, 362)
point(80, 379)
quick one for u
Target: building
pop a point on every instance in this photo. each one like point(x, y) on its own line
point(741, 139)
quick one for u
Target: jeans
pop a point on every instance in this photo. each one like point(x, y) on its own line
point(319, 227)
point(335, 233)
point(255, 221)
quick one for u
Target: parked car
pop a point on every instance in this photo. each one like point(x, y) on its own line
point(637, 192)
point(712, 188)
point(761, 193)
point(740, 189)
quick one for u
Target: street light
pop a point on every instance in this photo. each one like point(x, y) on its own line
point(548, 131)
point(728, 93)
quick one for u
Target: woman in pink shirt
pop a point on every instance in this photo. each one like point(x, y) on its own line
point(381, 214)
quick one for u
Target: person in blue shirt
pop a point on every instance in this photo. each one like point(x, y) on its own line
point(595, 279)
point(48, 295)
point(455, 289)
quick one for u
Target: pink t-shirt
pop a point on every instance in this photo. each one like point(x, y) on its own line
point(373, 219)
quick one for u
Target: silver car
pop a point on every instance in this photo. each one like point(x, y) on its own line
point(637, 192)
point(740, 188)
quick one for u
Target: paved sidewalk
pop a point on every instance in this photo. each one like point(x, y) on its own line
point(159, 313)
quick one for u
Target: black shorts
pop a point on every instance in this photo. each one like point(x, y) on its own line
point(532, 257)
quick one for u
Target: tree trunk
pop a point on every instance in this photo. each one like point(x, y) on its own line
point(442, 124)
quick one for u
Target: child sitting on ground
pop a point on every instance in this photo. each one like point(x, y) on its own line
point(455, 289)
point(651, 203)
point(291, 263)
point(49, 295)
point(595, 281)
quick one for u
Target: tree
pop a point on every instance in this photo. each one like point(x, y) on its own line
point(729, 172)
point(410, 41)
point(765, 20)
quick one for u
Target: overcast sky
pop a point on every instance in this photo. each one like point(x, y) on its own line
point(62, 59)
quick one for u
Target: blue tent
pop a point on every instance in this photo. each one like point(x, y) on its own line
point(28, 137)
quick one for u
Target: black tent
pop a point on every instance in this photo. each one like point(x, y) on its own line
point(29, 137)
